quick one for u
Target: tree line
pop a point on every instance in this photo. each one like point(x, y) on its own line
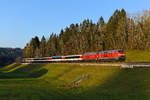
point(120, 32)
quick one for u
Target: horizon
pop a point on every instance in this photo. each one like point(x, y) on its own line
point(22, 20)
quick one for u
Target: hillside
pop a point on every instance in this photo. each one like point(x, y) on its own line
point(50, 82)
point(8, 55)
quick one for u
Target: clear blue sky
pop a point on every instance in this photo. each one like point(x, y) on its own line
point(20, 20)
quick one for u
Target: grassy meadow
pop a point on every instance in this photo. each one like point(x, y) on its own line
point(137, 56)
point(48, 81)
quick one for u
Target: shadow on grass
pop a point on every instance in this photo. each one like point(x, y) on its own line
point(9, 67)
point(28, 71)
point(125, 84)
point(128, 84)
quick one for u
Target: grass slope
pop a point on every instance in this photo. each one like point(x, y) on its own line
point(137, 56)
point(45, 82)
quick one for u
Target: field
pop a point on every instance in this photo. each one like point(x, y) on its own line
point(46, 82)
point(53, 81)
point(137, 56)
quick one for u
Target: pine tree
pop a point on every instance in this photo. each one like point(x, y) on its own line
point(51, 49)
point(42, 48)
point(121, 37)
point(34, 45)
point(61, 48)
point(101, 21)
point(111, 30)
point(100, 34)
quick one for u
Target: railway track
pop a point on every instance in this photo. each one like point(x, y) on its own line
point(135, 65)
point(122, 65)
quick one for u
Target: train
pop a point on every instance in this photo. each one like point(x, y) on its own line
point(105, 55)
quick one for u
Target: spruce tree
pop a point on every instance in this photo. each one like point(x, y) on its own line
point(42, 48)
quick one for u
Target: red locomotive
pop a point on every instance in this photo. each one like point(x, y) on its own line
point(105, 55)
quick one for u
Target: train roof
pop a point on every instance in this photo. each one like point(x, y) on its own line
point(111, 50)
point(91, 53)
point(71, 55)
point(56, 57)
point(37, 57)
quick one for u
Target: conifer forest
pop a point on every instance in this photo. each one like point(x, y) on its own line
point(121, 31)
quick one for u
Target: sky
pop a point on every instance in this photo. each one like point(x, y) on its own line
point(21, 20)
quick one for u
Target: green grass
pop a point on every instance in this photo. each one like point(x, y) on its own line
point(45, 82)
point(137, 56)
point(8, 67)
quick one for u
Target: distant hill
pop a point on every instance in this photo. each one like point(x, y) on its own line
point(8, 55)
